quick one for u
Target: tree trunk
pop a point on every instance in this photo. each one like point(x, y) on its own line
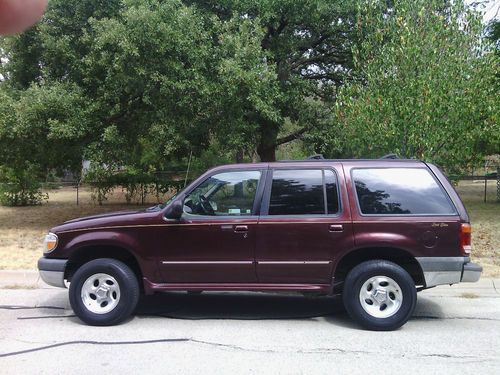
point(267, 145)
point(239, 156)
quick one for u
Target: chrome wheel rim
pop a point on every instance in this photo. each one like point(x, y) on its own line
point(381, 296)
point(100, 293)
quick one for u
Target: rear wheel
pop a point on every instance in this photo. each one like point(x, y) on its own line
point(379, 295)
point(104, 292)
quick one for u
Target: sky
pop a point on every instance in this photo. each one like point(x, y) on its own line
point(489, 8)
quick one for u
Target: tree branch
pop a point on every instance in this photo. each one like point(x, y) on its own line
point(291, 137)
point(272, 32)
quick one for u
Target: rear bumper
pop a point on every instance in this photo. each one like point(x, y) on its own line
point(52, 271)
point(448, 270)
point(472, 273)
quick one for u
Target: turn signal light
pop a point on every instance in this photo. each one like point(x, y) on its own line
point(465, 239)
point(50, 242)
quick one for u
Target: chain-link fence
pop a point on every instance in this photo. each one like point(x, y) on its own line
point(165, 184)
point(484, 180)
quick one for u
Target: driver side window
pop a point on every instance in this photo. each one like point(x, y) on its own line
point(223, 194)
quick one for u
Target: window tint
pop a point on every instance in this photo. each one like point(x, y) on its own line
point(228, 193)
point(301, 192)
point(400, 191)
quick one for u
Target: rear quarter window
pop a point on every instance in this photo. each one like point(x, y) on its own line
point(400, 191)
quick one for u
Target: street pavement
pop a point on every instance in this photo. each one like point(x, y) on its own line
point(455, 330)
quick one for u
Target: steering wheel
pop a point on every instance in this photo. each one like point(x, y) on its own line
point(207, 206)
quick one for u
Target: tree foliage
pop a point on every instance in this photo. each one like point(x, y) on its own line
point(421, 87)
point(281, 62)
point(136, 86)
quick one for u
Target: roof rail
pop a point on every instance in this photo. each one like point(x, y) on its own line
point(316, 157)
point(390, 156)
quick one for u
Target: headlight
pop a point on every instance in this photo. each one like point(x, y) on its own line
point(50, 242)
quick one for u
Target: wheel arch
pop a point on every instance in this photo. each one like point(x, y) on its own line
point(85, 254)
point(399, 256)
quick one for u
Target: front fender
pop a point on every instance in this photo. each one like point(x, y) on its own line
point(102, 238)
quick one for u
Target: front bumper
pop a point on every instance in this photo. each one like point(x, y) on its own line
point(448, 270)
point(52, 271)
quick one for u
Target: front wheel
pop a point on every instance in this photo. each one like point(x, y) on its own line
point(379, 295)
point(104, 292)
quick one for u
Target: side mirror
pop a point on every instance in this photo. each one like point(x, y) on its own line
point(175, 210)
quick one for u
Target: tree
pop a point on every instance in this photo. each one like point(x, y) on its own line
point(167, 78)
point(136, 65)
point(421, 86)
point(281, 62)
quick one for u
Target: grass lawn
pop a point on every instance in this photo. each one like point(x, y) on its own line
point(485, 220)
point(22, 228)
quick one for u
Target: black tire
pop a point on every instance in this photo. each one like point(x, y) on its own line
point(122, 303)
point(403, 291)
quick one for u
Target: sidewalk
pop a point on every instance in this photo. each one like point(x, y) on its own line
point(485, 287)
point(21, 279)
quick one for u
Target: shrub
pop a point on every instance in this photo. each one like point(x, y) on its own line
point(20, 188)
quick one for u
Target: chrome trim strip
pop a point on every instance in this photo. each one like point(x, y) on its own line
point(157, 225)
point(294, 262)
point(205, 223)
point(208, 262)
point(245, 262)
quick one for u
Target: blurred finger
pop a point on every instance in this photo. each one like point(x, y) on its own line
point(17, 15)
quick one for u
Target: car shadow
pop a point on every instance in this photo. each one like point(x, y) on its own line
point(427, 309)
point(234, 306)
point(242, 306)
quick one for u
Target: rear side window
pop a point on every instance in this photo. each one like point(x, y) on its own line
point(400, 191)
point(304, 192)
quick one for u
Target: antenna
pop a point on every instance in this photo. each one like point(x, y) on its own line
point(189, 164)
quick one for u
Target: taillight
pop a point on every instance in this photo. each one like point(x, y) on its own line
point(465, 239)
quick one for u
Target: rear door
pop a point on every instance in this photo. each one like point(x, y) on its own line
point(304, 223)
point(402, 205)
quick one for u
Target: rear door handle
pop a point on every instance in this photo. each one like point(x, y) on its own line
point(335, 227)
point(241, 228)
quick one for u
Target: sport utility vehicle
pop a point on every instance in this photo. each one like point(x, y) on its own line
point(375, 231)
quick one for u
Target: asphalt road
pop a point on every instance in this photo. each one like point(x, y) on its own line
point(454, 330)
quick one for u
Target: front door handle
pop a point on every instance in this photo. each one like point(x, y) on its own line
point(336, 228)
point(241, 228)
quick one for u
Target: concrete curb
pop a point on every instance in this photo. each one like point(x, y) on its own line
point(21, 279)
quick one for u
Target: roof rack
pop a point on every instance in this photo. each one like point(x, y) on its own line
point(390, 156)
point(316, 157)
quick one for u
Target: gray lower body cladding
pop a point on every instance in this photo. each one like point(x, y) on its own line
point(52, 271)
point(448, 270)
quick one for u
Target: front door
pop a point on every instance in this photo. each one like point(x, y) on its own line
point(214, 241)
point(303, 226)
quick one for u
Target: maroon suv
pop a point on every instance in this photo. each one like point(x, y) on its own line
point(376, 231)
